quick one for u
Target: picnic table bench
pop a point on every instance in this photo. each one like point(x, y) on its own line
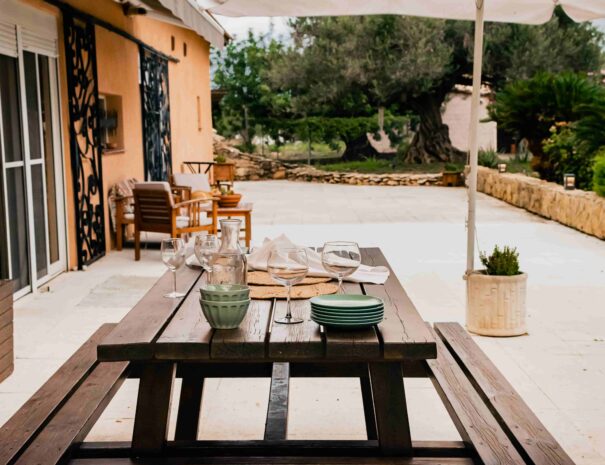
point(161, 339)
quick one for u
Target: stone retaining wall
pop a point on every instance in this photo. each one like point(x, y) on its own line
point(581, 210)
point(251, 167)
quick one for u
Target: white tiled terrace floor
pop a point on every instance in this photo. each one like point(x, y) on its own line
point(559, 368)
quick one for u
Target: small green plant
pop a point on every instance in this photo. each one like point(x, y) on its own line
point(452, 168)
point(488, 158)
point(220, 158)
point(503, 262)
point(598, 180)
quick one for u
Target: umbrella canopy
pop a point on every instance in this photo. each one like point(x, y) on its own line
point(513, 11)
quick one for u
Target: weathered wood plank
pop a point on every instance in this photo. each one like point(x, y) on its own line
point(368, 406)
point(6, 318)
point(390, 409)
point(279, 449)
point(299, 341)
point(133, 338)
point(75, 419)
point(360, 344)
point(247, 341)
point(153, 408)
point(6, 289)
point(6, 303)
point(6, 332)
point(276, 425)
point(347, 460)
point(505, 403)
point(188, 417)
point(188, 335)
point(473, 420)
point(403, 332)
point(21, 427)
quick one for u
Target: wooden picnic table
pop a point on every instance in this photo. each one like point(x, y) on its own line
point(162, 336)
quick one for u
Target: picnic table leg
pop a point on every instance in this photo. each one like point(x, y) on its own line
point(390, 408)
point(187, 420)
point(368, 407)
point(153, 408)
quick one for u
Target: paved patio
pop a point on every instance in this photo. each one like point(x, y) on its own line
point(559, 368)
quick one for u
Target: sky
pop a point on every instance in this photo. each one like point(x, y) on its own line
point(239, 26)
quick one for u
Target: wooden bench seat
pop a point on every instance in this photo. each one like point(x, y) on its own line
point(535, 444)
point(492, 419)
point(62, 412)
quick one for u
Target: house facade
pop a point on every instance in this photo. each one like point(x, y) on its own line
point(92, 93)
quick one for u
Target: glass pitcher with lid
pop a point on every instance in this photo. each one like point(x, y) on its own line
point(229, 265)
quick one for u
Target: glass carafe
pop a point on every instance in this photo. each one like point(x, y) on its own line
point(229, 265)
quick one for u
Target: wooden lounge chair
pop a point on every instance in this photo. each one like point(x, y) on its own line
point(156, 210)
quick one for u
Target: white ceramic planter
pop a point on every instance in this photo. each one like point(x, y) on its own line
point(496, 304)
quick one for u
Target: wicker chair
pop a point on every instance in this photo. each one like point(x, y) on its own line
point(155, 210)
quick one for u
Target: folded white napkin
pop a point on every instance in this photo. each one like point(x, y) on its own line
point(257, 260)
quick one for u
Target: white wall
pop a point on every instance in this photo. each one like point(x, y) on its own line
point(457, 116)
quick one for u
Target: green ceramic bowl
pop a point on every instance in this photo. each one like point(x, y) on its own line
point(225, 292)
point(224, 315)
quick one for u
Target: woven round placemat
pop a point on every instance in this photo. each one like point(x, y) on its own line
point(262, 278)
point(298, 292)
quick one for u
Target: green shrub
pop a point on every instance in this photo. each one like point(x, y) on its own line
point(598, 180)
point(503, 262)
point(530, 108)
point(488, 158)
point(564, 154)
point(220, 158)
point(452, 168)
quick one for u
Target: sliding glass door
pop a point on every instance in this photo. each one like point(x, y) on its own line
point(32, 245)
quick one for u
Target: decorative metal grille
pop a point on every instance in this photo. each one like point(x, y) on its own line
point(80, 54)
point(155, 104)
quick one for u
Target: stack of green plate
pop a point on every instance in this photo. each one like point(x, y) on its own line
point(347, 311)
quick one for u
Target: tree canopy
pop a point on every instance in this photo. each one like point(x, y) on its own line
point(350, 67)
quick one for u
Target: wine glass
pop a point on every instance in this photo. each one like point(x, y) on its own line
point(205, 247)
point(288, 266)
point(341, 259)
point(173, 256)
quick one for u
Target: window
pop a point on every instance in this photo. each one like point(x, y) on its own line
point(112, 127)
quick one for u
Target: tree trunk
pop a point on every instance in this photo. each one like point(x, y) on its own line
point(432, 143)
point(358, 149)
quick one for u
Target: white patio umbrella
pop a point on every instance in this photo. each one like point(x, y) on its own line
point(512, 11)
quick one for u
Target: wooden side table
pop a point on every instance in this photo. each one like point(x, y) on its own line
point(242, 210)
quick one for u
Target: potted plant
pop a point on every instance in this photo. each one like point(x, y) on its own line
point(452, 175)
point(222, 170)
point(496, 295)
point(228, 198)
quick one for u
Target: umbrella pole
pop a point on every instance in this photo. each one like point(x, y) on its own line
point(473, 146)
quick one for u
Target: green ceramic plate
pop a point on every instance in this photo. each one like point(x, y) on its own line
point(336, 315)
point(379, 316)
point(346, 301)
point(348, 310)
point(337, 325)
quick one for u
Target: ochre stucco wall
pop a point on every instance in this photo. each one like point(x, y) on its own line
point(117, 70)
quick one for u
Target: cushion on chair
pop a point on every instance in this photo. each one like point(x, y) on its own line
point(153, 186)
point(197, 181)
point(183, 221)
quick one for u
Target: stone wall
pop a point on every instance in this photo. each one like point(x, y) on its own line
point(581, 210)
point(250, 167)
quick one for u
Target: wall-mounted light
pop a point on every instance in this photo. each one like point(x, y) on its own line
point(501, 167)
point(569, 181)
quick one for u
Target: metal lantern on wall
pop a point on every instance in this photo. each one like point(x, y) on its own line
point(569, 181)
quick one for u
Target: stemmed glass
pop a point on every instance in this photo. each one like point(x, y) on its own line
point(205, 247)
point(173, 256)
point(341, 259)
point(288, 266)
